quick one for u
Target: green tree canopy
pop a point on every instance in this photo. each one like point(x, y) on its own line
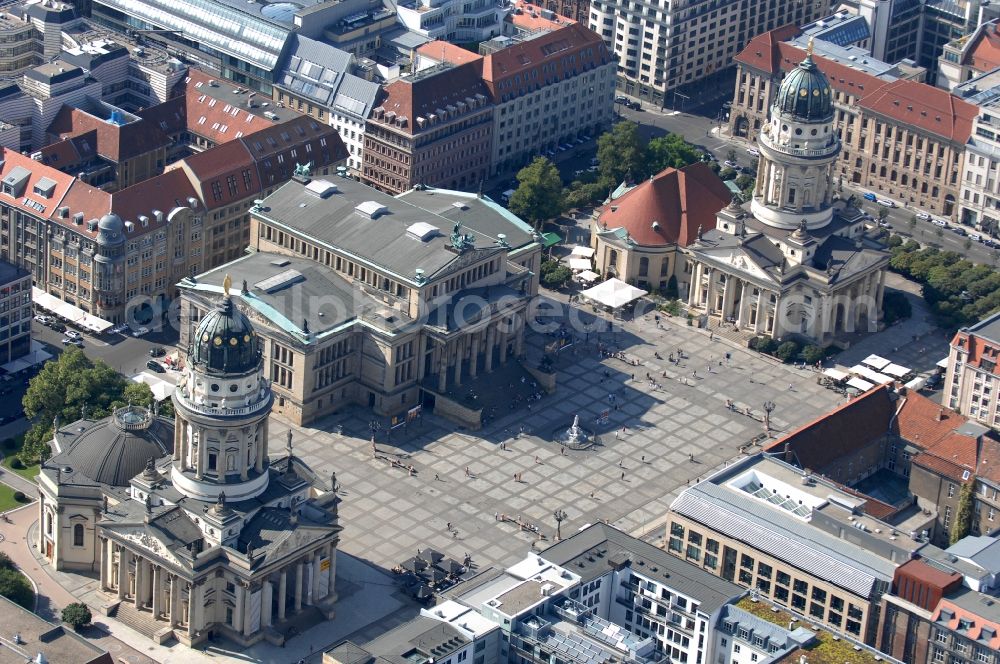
point(66, 387)
point(621, 154)
point(670, 151)
point(539, 195)
point(15, 587)
point(76, 615)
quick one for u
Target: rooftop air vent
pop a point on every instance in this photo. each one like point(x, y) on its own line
point(371, 209)
point(423, 231)
point(321, 188)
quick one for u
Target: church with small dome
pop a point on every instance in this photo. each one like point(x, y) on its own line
point(195, 529)
point(795, 262)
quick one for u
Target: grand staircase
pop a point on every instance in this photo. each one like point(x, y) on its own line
point(140, 621)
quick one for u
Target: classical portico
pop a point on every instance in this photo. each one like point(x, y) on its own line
point(795, 263)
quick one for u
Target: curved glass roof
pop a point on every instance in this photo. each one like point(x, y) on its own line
point(246, 37)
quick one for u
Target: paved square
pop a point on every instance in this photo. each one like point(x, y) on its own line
point(673, 434)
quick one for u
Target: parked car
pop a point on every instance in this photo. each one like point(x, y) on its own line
point(621, 99)
point(67, 341)
point(886, 203)
point(157, 351)
point(44, 320)
point(753, 152)
point(976, 237)
point(869, 196)
point(140, 331)
point(73, 334)
point(731, 164)
point(156, 366)
point(923, 215)
point(958, 230)
point(933, 381)
point(635, 106)
point(56, 326)
point(939, 222)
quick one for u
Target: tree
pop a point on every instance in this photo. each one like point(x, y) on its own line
point(745, 183)
point(15, 587)
point(583, 194)
point(63, 388)
point(883, 213)
point(963, 518)
point(77, 615)
point(670, 151)
point(727, 173)
point(621, 154)
point(787, 351)
point(895, 306)
point(913, 222)
point(731, 155)
point(539, 193)
point(812, 354)
point(554, 274)
point(671, 292)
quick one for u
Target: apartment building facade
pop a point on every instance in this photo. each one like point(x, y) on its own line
point(434, 128)
point(972, 380)
point(15, 312)
point(669, 52)
point(901, 138)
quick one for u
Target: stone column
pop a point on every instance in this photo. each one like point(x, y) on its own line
point(331, 555)
point(728, 296)
point(178, 429)
point(421, 353)
point(266, 594)
point(695, 287)
point(258, 463)
point(282, 594)
point(192, 602)
point(242, 461)
point(200, 466)
point(710, 295)
point(247, 626)
point(459, 351)
point(175, 600)
point(741, 317)
point(123, 565)
point(880, 293)
point(519, 323)
point(240, 600)
point(157, 589)
point(491, 333)
point(761, 311)
point(314, 590)
point(502, 341)
point(102, 557)
point(474, 345)
point(442, 368)
point(298, 586)
point(41, 523)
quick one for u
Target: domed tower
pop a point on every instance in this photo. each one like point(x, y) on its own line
point(109, 265)
point(222, 405)
point(798, 148)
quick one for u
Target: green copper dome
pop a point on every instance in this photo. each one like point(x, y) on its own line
point(225, 342)
point(805, 93)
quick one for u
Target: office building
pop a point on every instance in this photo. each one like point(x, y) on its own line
point(193, 528)
point(678, 52)
point(355, 293)
point(15, 312)
point(455, 21)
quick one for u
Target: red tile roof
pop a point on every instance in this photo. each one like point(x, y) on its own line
point(568, 50)
point(12, 160)
point(70, 152)
point(530, 17)
point(215, 165)
point(926, 424)
point(976, 622)
point(984, 54)
point(842, 432)
point(116, 143)
point(988, 464)
point(669, 207)
point(215, 120)
point(443, 51)
point(931, 109)
point(429, 91)
point(923, 106)
point(978, 349)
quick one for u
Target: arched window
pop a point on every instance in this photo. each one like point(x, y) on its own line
point(643, 266)
point(78, 534)
point(48, 523)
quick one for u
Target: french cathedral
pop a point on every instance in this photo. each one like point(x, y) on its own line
point(194, 529)
point(794, 263)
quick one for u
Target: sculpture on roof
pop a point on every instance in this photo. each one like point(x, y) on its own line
point(303, 170)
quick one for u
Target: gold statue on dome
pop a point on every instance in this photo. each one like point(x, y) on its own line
point(227, 284)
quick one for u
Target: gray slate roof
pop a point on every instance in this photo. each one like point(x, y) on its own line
point(983, 551)
point(783, 536)
point(382, 242)
point(321, 72)
point(589, 551)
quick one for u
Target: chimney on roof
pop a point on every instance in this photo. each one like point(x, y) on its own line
point(940, 415)
point(789, 455)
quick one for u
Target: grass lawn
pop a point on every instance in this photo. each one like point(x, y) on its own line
point(7, 501)
point(28, 473)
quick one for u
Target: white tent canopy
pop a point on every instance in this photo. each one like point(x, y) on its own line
point(579, 263)
point(895, 370)
point(835, 374)
point(859, 384)
point(875, 362)
point(613, 293)
point(582, 252)
point(162, 389)
point(943, 363)
point(587, 275)
point(67, 311)
point(869, 374)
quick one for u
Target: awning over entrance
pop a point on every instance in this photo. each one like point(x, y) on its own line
point(613, 293)
point(68, 312)
point(582, 252)
point(550, 239)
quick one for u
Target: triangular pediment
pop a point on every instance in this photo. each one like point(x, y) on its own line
point(735, 260)
point(143, 539)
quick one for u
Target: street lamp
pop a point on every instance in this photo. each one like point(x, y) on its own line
point(559, 515)
point(768, 408)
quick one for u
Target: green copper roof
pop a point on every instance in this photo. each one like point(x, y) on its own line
point(805, 94)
